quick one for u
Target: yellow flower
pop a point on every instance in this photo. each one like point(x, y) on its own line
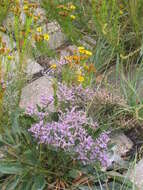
point(25, 7)
point(72, 7)
point(104, 29)
point(62, 7)
point(69, 58)
point(35, 18)
point(65, 8)
point(79, 72)
point(8, 50)
point(88, 52)
point(80, 78)
point(53, 66)
point(82, 51)
point(76, 57)
point(39, 14)
point(121, 12)
point(3, 29)
point(10, 57)
point(81, 48)
point(86, 67)
point(46, 37)
point(73, 17)
point(39, 29)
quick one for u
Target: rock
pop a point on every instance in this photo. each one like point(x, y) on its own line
point(33, 67)
point(57, 37)
point(121, 145)
point(40, 11)
point(11, 66)
point(85, 44)
point(68, 51)
point(31, 94)
point(90, 40)
point(136, 175)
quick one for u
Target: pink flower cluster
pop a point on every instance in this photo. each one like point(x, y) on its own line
point(70, 135)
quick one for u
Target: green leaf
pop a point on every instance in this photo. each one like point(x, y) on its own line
point(30, 156)
point(73, 173)
point(13, 183)
point(15, 122)
point(10, 168)
point(39, 183)
point(26, 185)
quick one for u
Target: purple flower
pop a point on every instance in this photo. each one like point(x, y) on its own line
point(30, 110)
point(70, 135)
point(46, 100)
point(64, 93)
point(74, 95)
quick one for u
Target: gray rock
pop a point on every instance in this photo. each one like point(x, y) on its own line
point(57, 37)
point(33, 67)
point(136, 175)
point(40, 11)
point(69, 50)
point(31, 94)
point(121, 145)
point(90, 40)
point(53, 27)
point(85, 44)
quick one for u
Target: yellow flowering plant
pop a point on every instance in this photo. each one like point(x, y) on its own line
point(66, 14)
point(25, 31)
point(78, 69)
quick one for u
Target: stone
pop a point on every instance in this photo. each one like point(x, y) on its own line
point(136, 175)
point(53, 27)
point(31, 94)
point(42, 13)
point(85, 44)
point(121, 145)
point(33, 67)
point(68, 51)
point(90, 40)
point(57, 37)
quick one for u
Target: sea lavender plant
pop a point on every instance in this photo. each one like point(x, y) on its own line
point(75, 95)
point(69, 134)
